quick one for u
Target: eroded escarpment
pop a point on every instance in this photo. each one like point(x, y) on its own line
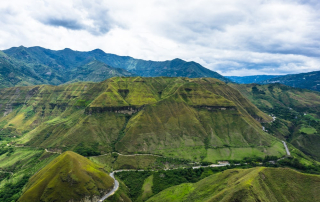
point(120, 110)
point(215, 108)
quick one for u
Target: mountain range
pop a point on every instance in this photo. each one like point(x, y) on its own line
point(310, 80)
point(36, 65)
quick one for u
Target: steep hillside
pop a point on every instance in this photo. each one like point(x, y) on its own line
point(68, 177)
point(58, 67)
point(255, 184)
point(96, 71)
point(297, 111)
point(13, 73)
point(251, 79)
point(170, 116)
point(270, 96)
point(310, 80)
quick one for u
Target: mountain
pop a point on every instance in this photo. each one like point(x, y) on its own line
point(69, 177)
point(38, 65)
point(13, 73)
point(310, 80)
point(255, 184)
point(251, 79)
point(96, 71)
point(297, 111)
point(196, 119)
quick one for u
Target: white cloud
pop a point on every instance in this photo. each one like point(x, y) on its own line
point(229, 36)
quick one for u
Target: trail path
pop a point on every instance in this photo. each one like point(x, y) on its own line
point(6, 172)
point(285, 146)
point(52, 151)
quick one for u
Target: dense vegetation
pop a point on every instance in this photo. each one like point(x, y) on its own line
point(12, 191)
point(134, 181)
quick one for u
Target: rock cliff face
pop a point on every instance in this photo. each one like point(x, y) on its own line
point(136, 114)
point(120, 110)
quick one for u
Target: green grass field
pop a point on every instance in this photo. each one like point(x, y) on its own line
point(308, 130)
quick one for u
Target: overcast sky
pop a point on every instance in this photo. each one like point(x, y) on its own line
point(232, 37)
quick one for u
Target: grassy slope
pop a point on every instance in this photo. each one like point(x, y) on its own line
point(54, 182)
point(289, 103)
point(177, 116)
point(182, 120)
point(22, 162)
point(255, 184)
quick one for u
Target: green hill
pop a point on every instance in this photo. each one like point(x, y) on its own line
point(68, 177)
point(297, 111)
point(255, 184)
point(195, 119)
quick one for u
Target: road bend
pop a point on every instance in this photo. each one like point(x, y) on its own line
point(115, 188)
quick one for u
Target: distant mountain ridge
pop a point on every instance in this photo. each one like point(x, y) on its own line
point(251, 79)
point(37, 65)
point(310, 80)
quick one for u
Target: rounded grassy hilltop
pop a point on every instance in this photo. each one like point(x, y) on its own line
point(69, 177)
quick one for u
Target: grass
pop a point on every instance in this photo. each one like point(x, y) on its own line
point(308, 130)
point(54, 181)
point(134, 162)
point(214, 155)
point(146, 189)
point(20, 156)
point(255, 184)
point(179, 116)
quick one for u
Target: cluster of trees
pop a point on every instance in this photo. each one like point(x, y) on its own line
point(134, 181)
point(165, 179)
point(295, 163)
point(8, 150)
point(86, 150)
point(12, 191)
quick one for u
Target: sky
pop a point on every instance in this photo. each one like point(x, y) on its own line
point(232, 37)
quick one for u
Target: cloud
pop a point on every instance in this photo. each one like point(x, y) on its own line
point(228, 36)
point(66, 23)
